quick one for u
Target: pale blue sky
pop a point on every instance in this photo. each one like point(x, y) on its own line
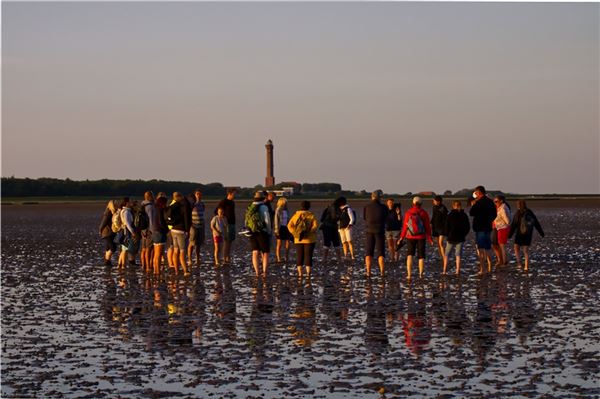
point(398, 96)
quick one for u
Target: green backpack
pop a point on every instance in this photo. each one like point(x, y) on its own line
point(303, 225)
point(254, 221)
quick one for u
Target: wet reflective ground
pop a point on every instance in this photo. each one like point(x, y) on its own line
point(74, 328)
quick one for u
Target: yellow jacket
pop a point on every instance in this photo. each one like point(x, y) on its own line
point(311, 220)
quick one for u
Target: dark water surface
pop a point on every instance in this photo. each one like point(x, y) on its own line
point(74, 328)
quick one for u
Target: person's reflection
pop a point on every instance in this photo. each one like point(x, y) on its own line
point(283, 298)
point(484, 332)
point(394, 302)
point(345, 295)
point(225, 302)
point(303, 321)
point(126, 304)
point(261, 318)
point(197, 312)
point(180, 329)
point(456, 320)
point(331, 302)
point(376, 339)
point(524, 312)
point(109, 297)
point(415, 323)
point(500, 304)
point(158, 317)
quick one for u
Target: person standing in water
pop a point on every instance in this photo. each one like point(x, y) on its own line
point(483, 212)
point(303, 226)
point(106, 231)
point(438, 223)
point(416, 229)
point(280, 228)
point(228, 205)
point(393, 227)
point(502, 226)
point(457, 228)
point(375, 214)
point(522, 225)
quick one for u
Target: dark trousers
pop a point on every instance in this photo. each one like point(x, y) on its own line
point(304, 254)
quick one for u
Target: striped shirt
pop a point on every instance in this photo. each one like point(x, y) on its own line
point(198, 215)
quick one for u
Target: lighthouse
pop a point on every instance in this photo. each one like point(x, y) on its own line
point(270, 179)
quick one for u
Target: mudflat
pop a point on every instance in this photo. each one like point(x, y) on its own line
point(72, 327)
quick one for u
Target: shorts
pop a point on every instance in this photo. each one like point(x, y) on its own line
point(345, 234)
point(284, 234)
point(375, 241)
point(483, 239)
point(178, 239)
point(109, 243)
point(197, 236)
point(419, 245)
point(218, 239)
point(503, 235)
point(260, 242)
point(392, 235)
point(159, 238)
point(131, 244)
point(147, 239)
point(437, 233)
point(230, 236)
point(458, 248)
point(331, 238)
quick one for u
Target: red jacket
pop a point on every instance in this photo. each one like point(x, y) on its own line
point(424, 217)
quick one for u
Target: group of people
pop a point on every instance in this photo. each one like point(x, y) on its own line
point(178, 225)
point(150, 226)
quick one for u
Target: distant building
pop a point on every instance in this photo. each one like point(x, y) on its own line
point(270, 179)
point(426, 194)
point(284, 192)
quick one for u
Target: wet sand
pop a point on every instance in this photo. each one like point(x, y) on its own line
point(72, 327)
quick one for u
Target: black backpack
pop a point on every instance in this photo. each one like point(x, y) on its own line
point(141, 220)
point(330, 217)
point(173, 214)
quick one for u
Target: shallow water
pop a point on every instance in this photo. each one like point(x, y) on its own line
point(72, 327)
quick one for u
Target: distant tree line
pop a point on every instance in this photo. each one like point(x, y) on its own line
point(49, 187)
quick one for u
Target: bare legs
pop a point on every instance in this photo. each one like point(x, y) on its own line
point(446, 264)
point(158, 253)
point(193, 249)
point(440, 244)
point(218, 252)
point(525, 254)
point(179, 259)
point(392, 246)
point(227, 251)
point(286, 244)
point(348, 248)
point(501, 254)
point(484, 256)
point(409, 263)
point(257, 257)
point(107, 257)
point(122, 258)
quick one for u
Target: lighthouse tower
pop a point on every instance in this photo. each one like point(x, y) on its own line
point(270, 179)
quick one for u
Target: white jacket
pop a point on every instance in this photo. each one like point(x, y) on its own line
point(502, 220)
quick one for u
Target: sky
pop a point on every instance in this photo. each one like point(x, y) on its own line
point(398, 96)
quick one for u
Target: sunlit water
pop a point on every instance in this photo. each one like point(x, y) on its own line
point(72, 327)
